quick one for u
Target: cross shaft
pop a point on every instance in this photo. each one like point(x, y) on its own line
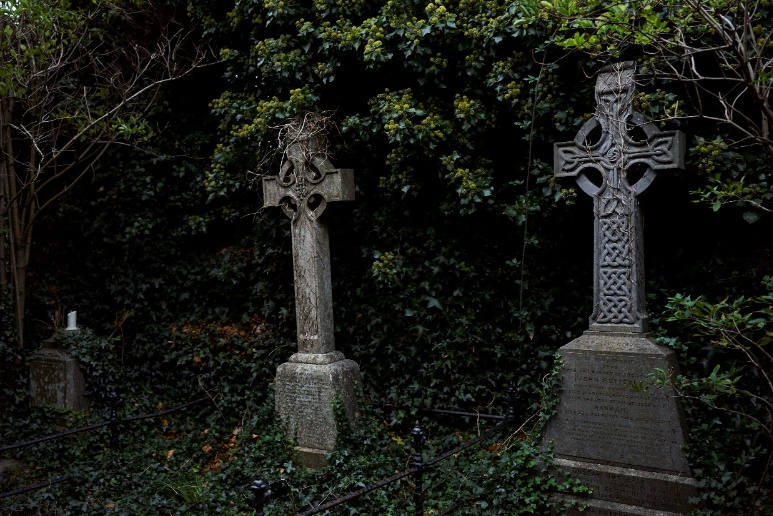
point(306, 183)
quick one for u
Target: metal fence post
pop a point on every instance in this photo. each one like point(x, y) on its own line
point(417, 461)
point(261, 495)
point(114, 401)
point(510, 398)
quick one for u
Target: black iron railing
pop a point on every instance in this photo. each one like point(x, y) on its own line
point(262, 494)
point(114, 423)
point(261, 490)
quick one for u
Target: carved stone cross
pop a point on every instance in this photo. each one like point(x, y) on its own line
point(618, 156)
point(306, 183)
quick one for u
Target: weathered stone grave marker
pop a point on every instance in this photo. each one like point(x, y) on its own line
point(55, 376)
point(307, 385)
point(623, 442)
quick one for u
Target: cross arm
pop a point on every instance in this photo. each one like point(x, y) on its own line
point(338, 185)
point(662, 150)
point(272, 191)
point(569, 158)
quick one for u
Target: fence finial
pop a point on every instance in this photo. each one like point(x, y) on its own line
point(261, 495)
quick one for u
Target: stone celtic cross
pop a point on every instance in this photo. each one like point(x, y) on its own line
point(307, 181)
point(627, 164)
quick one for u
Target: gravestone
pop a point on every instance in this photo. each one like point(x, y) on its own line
point(619, 436)
point(317, 374)
point(55, 377)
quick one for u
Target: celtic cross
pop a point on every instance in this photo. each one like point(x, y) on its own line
point(627, 165)
point(307, 181)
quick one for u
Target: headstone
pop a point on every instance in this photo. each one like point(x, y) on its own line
point(307, 385)
point(619, 436)
point(56, 379)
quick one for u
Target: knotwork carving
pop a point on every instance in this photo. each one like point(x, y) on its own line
point(304, 168)
point(619, 269)
point(307, 179)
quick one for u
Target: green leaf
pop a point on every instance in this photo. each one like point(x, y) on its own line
point(434, 303)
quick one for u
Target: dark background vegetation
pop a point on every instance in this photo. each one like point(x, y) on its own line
point(460, 269)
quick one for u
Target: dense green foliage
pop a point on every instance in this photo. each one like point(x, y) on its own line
point(68, 93)
point(461, 267)
point(200, 460)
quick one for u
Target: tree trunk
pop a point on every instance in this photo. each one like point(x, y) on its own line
point(12, 230)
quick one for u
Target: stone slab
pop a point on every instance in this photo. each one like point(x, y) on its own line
point(304, 401)
point(56, 380)
point(619, 435)
point(604, 417)
point(604, 508)
point(633, 487)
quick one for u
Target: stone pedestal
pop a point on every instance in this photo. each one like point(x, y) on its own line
point(619, 435)
point(306, 387)
point(56, 379)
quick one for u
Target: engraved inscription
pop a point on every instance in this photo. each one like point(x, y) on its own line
point(310, 416)
point(606, 418)
point(49, 382)
point(631, 490)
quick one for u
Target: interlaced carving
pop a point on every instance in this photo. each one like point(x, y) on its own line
point(619, 267)
point(615, 279)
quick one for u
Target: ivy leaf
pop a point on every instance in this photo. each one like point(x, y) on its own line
point(750, 216)
point(434, 303)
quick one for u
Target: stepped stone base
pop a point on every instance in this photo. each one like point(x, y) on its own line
point(304, 401)
point(617, 434)
point(633, 491)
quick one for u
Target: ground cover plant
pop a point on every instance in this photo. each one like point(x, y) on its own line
point(202, 459)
